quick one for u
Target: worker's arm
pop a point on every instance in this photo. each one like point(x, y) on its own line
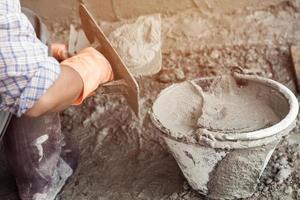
point(80, 76)
point(58, 97)
point(65, 90)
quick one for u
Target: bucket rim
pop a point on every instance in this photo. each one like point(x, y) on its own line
point(286, 124)
point(283, 124)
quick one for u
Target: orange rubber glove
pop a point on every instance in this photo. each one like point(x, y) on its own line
point(59, 51)
point(93, 68)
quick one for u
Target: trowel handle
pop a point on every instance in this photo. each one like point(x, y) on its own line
point(114, 87)
point(95, 45)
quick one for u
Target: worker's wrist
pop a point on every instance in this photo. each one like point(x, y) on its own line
point(87, 70)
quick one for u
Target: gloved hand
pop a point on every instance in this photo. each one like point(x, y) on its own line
point(93, 68)
point(59, 51)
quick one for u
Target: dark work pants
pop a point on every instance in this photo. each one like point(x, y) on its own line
point(34, 147)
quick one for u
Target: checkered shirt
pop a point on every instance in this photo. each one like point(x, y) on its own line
point(26, 70)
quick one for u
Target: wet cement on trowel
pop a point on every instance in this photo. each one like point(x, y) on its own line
point(139, 43)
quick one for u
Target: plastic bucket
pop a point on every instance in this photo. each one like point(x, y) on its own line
point(229, 164)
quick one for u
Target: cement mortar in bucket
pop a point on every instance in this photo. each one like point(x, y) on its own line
point(223, 137)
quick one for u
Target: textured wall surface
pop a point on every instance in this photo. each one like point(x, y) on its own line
point(111, 10)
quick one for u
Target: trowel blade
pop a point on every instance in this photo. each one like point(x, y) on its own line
point(94, 33)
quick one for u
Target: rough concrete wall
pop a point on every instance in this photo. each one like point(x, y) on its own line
point(54, 10)
point(132, 8)
point(111, 10)
point(229, 6)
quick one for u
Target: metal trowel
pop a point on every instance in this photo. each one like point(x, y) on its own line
point(124, 82)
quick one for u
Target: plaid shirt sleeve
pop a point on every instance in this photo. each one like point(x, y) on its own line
point(26, 70)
